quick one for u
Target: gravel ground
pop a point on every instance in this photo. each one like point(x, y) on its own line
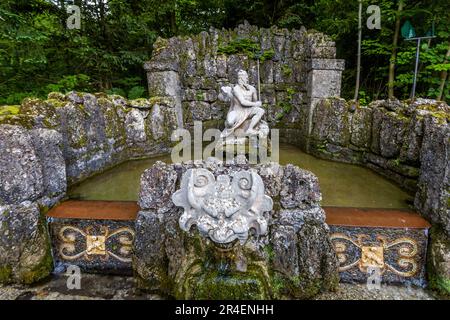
point(352, 291)
point(100, 287)
point(93, 287)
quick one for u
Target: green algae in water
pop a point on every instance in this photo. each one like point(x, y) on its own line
point(347, 185)
point(120, 183)
point(342, 185)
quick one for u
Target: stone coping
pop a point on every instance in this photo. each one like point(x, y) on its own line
point(373, 217)
point(339, 216)
point(95, 210)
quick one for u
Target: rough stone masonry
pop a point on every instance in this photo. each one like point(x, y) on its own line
point(298, 68)
point(294, 259)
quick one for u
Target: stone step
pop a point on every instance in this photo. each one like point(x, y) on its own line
point(390, 243)
point(96, 236)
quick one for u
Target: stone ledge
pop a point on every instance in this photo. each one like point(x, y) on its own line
point(373, 218)
point(95, 210)
point(325, 64)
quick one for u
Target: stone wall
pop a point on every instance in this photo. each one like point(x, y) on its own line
point(46, 145)
point(98, 131)
point(299, 68)
point(405, 142)
point(32, 178)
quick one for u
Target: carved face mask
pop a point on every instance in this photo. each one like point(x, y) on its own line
point(224, 209)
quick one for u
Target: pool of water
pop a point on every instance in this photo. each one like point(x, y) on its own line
point(342, 185)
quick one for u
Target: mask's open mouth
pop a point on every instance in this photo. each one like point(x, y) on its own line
point(226, 246)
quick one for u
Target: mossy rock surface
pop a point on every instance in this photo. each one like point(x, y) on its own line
point(213, 286)
point(9, 110)
point(438, 261)
point(26, 257)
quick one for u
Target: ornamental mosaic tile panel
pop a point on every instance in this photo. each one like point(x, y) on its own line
point(398, 253)
point(103, 246)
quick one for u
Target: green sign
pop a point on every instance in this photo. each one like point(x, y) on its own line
point(408, 30)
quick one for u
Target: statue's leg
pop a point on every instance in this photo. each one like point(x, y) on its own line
point(257, 115)
point(231, 119)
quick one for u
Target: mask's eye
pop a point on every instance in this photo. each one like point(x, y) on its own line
point(200, 181)
point(245, 183)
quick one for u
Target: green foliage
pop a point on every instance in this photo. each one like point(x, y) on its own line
point(79, 82)
point(247, 47)
point(267, 55)
point(363, 98)
point(136, 92)
point(38, 54)
point(9, 110)
point(116, 91)
point(240, 45)
point(287, 71)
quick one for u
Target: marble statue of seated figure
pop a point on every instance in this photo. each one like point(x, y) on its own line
point(244, 106)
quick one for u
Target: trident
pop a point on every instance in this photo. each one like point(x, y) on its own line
point(258, 56)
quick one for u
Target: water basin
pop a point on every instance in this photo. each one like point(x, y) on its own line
point(342, 185)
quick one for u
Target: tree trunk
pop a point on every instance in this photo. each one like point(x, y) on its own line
point(358, 63)
point(394, 52)
point(173, 20)
point(444, 75)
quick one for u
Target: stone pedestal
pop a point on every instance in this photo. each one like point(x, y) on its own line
point(324, 80)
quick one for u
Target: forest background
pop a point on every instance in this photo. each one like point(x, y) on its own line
point(39, 54)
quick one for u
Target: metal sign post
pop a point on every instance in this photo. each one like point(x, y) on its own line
point(418, 39)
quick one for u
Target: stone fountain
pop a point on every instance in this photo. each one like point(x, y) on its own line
point(215, 230)
point(232, 230)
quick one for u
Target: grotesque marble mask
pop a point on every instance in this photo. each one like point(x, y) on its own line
point(223, 209)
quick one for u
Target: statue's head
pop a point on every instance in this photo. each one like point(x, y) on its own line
point(242, 77)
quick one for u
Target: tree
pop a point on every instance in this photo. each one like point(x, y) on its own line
point(394, 51)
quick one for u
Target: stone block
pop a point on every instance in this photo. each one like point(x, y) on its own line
point(331, 122)
point(392, 131)
point(361, 127)
point(432, 197)
point(25, 255)
point(47, 145)
point(21, 172)
point(165, 83)
point(438, 265)
point(324, 83)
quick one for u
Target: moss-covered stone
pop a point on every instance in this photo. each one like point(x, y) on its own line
point(24, 121)
point(161, 100)
point(56, 96)
point(331, 122)
point(5, 274)
point(438, 261)
point(9, 110)
point(236, 286)
point(39, 271)
point(26, 255)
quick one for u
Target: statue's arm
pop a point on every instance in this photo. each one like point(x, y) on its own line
point(254, 95)
point(244, 102)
